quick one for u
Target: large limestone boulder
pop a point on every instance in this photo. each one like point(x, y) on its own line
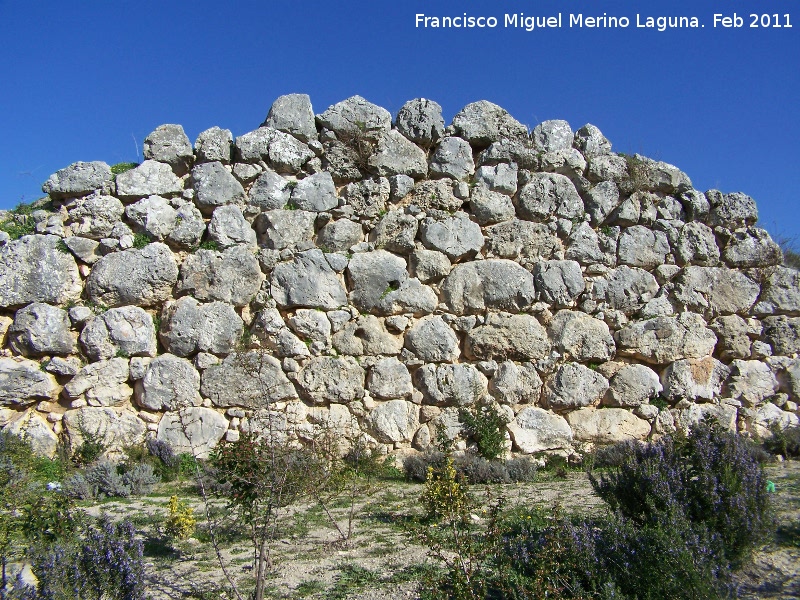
point(626, 289)
point(522, 239)
point(189, 228)
point(103, 383)
point(194, 430)
point(455, 236)
point(355, 114)
point(395, 232)
point(552, 135)
point(731, 211)
point(452, 158)
point(516, 383)
point(151, 178)
point(781, 293)
point(489, 207)
point(340, 235)
point(496, 284)
point(716, 290)
point(632, 386)
point(663, 340)
point(732, 334)
point(307, 281)
point(573, 386)
point(187, 326)
point(315, 193)
point(504, 336)
point(695, 379)
point(547, 195)
point(482, 122)
point(232, 276)
point(783, 334)
point(420, 120)
point(169, 144)
point(283, 152)
point(94, 216)
point(228, 227)
point(607, 425)
point(395, 155)
point(293, 114)
point(23, 382)
point(366, 336)
point(696, 245)
point(591, 141)
point(327, 379)
point(279, 229)
point(642, 247)
point(558, 281)
point(141, 277)
point(373, 276)
point(32, 427)
point(393, 421)
point(250, 380)
point(215, 186)
point(590, 247)
point(169, 383)
point(78, 179)
point(34, 269)
point(447, 384)
point(214, 144)
point(769, 416)
point(115, 428)
point(269, 192)
point(581, 337)
point(389, 379)
point(154, 216)
point(535, 430)
point(40, 329)
point(751, 381)
point(127, 331)
point(432, 340)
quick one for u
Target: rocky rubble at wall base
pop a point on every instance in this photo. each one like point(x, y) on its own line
point(376, 275)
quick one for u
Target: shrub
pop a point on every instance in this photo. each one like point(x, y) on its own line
point(470, 467)
point(78, 487)
point(487, 426)
point(710, 477)
point(140, 240)
point(180, 522)
point(785, 442)
point(446, 495)
point(140, 479)
point(416, 465)
point(122, 167)
point(107, 480)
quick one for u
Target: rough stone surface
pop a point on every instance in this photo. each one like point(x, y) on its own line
point(504, 336)
point(395, 232)
point(516, 383)
point(752, 248)
point(340, 235)
point(489, 284)
point(279, 229)
point(151, 178)
point(169, 383)
point(490, 207)
point(752, 382)
point(697, 380)
point(228, 227)
point(22, 382)
point(187, 326)
point(307, 281)
point(452, 158)
point(448, 384)
point(607, 425)
point(558, 281)
point(215, 186)
point(716, 290)
point(578, 336)
point(195, 430)
point(394, 421)
point(395, 155)
point(327, 379)
point(389, 379)
point(315, 193)
point(78, 179)
point(124, 331)
point(781, 294)
point(457, 236)
point(214, 144)
point(696, 245)
point(33, 269)
point(116, 428)
point(431, 340)
point(573, 386)
point(169, 144)
point(94, 216)
point(535, 430)
point(231, 276)
point(103, 383)
point(641, 247)
point(36, 432)
point(482, 123)
point(731, 210)
point(355, 114)
point(666, 339)
point(430, 265)
point(783, 334)
point(40, 329)
point(143, 277)
point(633, 385)
point(293, 114)
point(250, 380)
point(420, 120)
point(546, 195)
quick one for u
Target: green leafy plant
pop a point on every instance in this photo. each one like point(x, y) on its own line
point(487, 426)
point(209, 245)
point(122, 167)
point(180, 522)
point(140, 240)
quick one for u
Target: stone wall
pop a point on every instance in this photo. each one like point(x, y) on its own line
point(354, 270)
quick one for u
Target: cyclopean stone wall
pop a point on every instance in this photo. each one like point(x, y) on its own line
point(352, 269)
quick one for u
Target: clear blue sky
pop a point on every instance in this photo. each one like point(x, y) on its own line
point(82, 80)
